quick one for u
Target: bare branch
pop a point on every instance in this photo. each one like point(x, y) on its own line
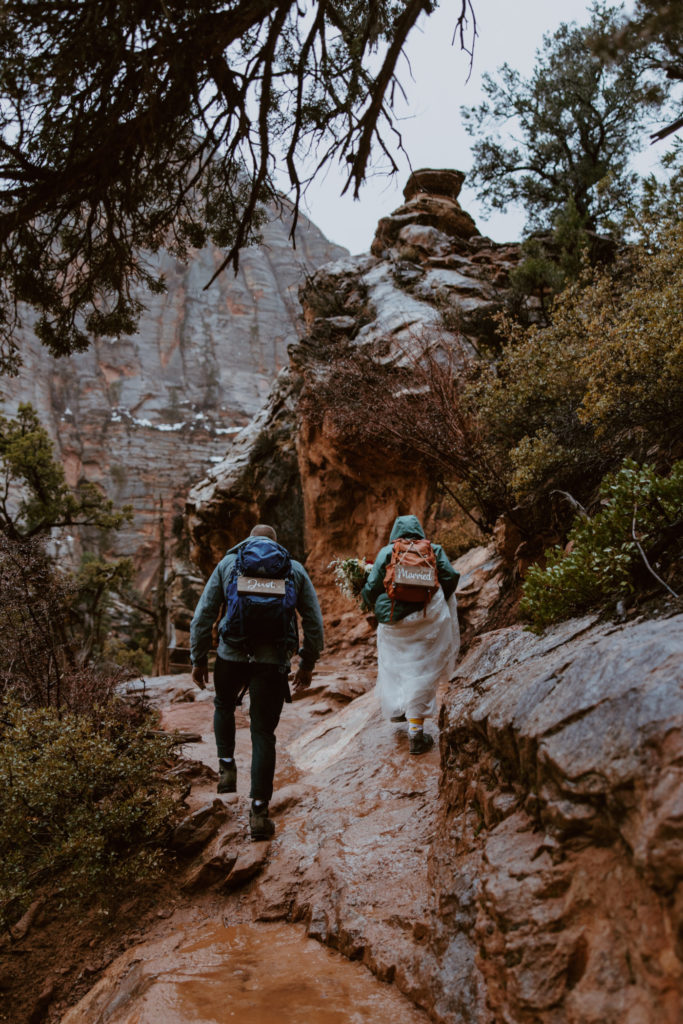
point(644, 556)
point(159, 124)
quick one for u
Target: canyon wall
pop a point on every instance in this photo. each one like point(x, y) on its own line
point(146, 416)
point(529, 869)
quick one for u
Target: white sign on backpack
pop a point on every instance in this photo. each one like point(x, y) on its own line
point(259, 585)
point(415, 576)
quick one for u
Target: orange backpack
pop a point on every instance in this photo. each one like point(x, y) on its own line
point(411, 573)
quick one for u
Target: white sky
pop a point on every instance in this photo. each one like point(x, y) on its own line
point(509, 30)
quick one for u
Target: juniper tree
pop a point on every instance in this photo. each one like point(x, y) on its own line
point(34, 494)
point(655, 30)
point(570, 128)
point(130, 125)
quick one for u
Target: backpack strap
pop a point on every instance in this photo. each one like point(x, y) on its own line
point(240, 695)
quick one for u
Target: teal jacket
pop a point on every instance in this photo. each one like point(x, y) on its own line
point(374, 595)
point(209, 606)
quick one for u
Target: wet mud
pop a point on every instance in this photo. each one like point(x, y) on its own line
point(251, 973)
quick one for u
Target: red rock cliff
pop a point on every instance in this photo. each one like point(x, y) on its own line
point(288, 467)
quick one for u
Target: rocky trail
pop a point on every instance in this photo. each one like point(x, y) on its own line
point(529, 870)
point(354, 817)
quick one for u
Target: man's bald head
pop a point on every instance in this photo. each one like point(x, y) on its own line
point(261, 530)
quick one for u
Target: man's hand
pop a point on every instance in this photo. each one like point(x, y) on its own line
point(200, 674)
point(302, 679)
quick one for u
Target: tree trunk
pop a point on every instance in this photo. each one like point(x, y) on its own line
point(161, 607)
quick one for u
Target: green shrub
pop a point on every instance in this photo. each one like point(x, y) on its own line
point(30, 470)
point(565, 404)
point(131, 656)
point(535, 460)
point(602, 561)
point(46, 636)
point(633, 357)
point(83, 804)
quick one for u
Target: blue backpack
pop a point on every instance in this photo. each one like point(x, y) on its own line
point(260, 595)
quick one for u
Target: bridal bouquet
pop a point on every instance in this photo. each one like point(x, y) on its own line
point(350, 575)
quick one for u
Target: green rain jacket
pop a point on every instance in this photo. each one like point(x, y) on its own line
point(374, 595)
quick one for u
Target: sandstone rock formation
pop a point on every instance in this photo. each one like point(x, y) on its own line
point(258, 480)
point(147, 416)
point(432, 202)
point(558, 861)
point(429, 277)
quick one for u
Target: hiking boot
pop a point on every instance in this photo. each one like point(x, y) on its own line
point(421, 742)
point(260, 825)
point(227, 777)
point(398, 718)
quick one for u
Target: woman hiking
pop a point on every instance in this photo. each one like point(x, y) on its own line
point(418, 638)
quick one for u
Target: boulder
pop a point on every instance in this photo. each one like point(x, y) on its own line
point(249, 863)
point(440, 212)
point(483, 573)
point(197, 828)
point(436, 183)
point(209, 872)
point(424, 241)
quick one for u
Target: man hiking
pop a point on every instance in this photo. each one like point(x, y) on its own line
point(411, 589)
point(261, 588)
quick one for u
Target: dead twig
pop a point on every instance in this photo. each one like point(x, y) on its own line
point(644, 556)
point(571, 500)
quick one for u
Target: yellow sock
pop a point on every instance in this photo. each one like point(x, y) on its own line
point(415, 726)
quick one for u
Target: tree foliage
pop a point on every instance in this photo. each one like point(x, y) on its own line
point(554, 260)
point(661, 199)
point(606, 557)
point(605, 380)
point(570, 128)
point(72, 611)
point(43, 656)
point(654, 30)
point(94, 583)
point(133, 125)
point(34, 495)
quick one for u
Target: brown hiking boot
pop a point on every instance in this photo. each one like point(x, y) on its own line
point(260, 825)
point(421, 742)
point(227, 777)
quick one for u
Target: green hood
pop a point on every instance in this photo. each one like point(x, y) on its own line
point(407, 526)
point(374, 595)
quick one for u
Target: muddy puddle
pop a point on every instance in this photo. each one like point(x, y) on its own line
point(251, 973)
